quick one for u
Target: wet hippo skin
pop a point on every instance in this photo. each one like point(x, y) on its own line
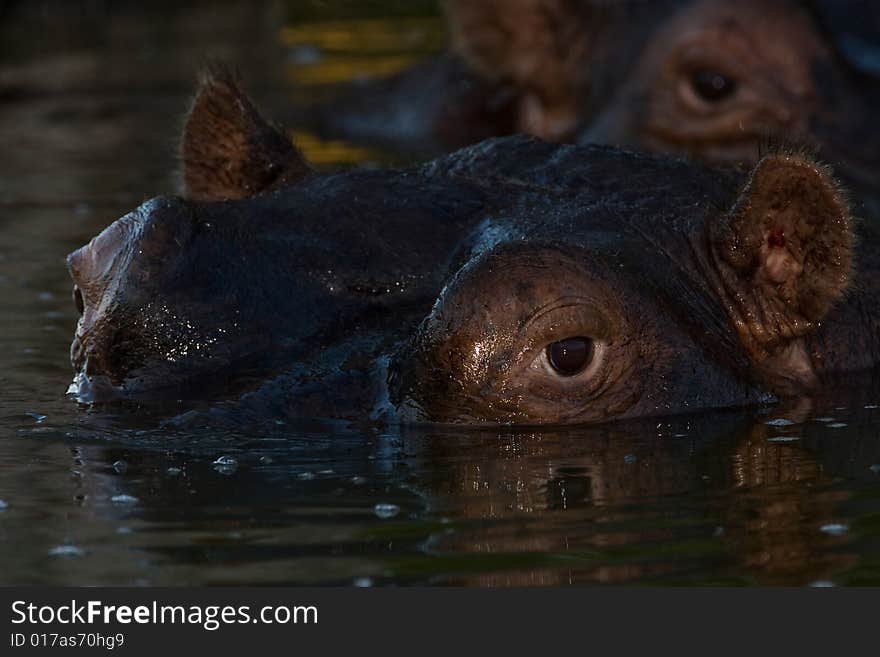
point(514, 281)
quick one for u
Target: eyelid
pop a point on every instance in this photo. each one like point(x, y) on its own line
point(581, 313)
point(696, 55)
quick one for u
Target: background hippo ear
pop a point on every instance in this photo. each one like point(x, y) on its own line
point(784, 251)
point(540, 47)
point(228, 149)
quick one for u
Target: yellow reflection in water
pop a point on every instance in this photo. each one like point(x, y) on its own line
point(347, 50)
point(322, 152)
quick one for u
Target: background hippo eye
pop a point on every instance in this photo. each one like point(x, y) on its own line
point(712, 86)
point(570, 356)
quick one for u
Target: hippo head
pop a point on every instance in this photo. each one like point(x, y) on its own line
point(707, 78)
point(686, 311)
point(516, 281)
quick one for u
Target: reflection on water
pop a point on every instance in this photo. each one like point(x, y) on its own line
point(341, 51)
point(90, 497)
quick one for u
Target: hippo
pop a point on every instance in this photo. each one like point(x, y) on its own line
point(704, 78)
point(515, 281)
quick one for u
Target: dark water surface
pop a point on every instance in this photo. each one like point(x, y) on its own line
point(90, 105)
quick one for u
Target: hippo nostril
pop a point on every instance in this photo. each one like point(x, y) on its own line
point(78, 300)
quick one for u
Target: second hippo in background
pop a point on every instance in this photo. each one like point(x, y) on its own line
point(704, 78)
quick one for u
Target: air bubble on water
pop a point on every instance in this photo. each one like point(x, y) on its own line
point(837, 425)
point(386, 510)
point(306, 476)
point(124, 499)
point(3, 506)
point(225, 465)
point(173, 472)
point(358, 481)
point(823, 419)
point(120, 466)
point(363, 582)
point(630, 459)
point(779, 422)
point(783, 439)
point(39, 418)
point(834, 529)
point(67, 551)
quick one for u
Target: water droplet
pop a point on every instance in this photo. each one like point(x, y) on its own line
point(67, 551)
point(871, 406)
point(719, 532)
point(875, 468)
point(325, 472)
point(3, 505)
point(363, 582)
point(305, 476)
point(123, 530)
point(779, 422)
point(39, 418)
point(630, 458)
point(386, 510)
point(837, 425)
point(225, 465)
point(173, 472)
point(358, 481)
point(824, 419)
point(822, 584)
point(120, 466)
point(783, 439)
point(124, 499)
point(266, 460)
point(834, 529)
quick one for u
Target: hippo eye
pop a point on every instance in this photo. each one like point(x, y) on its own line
point(711, 86)
point(570, 356)
point(78, 300)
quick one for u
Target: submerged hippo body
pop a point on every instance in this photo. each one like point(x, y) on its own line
point(515, 281)
point(703, 78)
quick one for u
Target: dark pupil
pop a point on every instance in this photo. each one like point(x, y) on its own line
point(712, 86)
point(570, 356)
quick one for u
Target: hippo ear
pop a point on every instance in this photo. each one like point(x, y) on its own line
point(540, 47)
point(228, 150)
point(784, 251)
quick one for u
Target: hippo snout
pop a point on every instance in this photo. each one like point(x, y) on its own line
point(132, 249)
